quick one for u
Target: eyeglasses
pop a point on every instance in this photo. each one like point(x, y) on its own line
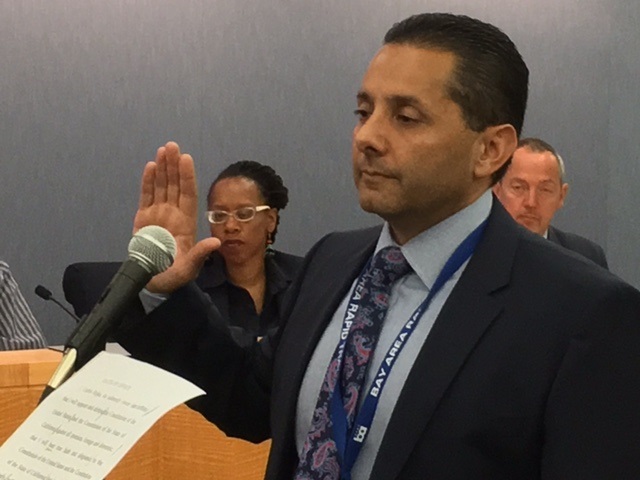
point(243, 214)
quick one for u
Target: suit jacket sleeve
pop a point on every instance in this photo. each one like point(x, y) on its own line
point(591, 421)
point(187, 335)
point(581, 245)
point(600, 257)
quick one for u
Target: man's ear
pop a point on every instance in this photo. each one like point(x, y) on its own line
point(497, 144)
point(564, 190)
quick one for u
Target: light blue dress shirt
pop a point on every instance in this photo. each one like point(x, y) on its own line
point(427, 254)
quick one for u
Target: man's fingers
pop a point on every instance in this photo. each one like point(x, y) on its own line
point(160, 194)
point(173, 172)
point(147, 186)
point(188, 201)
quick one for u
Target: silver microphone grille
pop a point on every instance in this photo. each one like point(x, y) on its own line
point(154, 247)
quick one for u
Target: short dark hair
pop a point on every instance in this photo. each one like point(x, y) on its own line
point(536, 145)
point(540, 146)
point(270, 184)
point(490, 81)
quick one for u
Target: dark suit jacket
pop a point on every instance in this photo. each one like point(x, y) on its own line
point(531, 371)
point(583, 246)
point(84, 282)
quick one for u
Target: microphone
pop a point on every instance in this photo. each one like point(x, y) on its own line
point(151, 251)
point(46, 294)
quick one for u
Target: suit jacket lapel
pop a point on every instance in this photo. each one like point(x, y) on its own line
point(467, 313)
point(324, 284)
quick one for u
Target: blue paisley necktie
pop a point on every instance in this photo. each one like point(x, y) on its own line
point(319, 457)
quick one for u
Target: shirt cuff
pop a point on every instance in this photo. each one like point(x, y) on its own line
point(151, 301)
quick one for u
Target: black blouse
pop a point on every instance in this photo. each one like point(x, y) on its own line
point(236, 304)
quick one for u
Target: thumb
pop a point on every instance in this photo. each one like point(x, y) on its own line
point(201, 250)
point(184, 269)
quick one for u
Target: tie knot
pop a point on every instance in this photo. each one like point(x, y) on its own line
point(391, 262)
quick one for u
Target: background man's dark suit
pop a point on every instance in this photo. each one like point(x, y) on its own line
point(581, 245)
point(530, 371)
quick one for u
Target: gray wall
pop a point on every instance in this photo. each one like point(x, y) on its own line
point(88, 90)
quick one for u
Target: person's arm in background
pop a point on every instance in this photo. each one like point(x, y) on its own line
point(19, 329)
point(183, 332)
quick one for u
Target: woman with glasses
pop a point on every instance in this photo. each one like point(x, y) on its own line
point(246, 278)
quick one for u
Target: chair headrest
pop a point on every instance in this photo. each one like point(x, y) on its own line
point(84, 282)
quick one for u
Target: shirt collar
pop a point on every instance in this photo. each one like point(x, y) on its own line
point(214, 273)
point(428, 252)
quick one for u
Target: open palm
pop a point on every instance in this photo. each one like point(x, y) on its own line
point(169, 198)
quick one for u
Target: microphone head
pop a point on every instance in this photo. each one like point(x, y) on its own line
point(154, 248)
point(43, 293)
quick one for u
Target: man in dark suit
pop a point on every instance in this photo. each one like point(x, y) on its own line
point(520, 360)
point(533, 190)
point(579, 244)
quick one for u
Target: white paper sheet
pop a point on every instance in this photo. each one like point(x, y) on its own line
point(84, 428)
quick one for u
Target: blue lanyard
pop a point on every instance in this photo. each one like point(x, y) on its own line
point(349, 439)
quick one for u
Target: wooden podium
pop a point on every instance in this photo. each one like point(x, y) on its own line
point(181, 445)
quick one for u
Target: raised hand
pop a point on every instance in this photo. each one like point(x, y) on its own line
point(169, 198)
